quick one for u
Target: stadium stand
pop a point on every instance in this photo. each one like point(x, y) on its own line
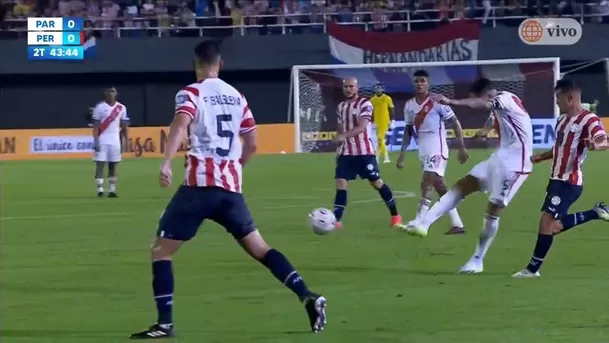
point(216, 18)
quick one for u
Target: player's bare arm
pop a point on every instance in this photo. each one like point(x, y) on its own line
point(96, 123)
point(599, 143)
point(361, 127)
point(177, 135)
point(475, 103)
point(462, 155)
point(406, 137)
point(250, 145)
point(339, 123)
point(548, 155)
point(486, 128)
point(124, 134)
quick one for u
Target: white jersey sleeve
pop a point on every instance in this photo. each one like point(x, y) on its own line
point(365, 110)
point(124, 116)
point(97, 112)
point(408, 114)
point(186, 101)
point(446, 112)
point(248, 124)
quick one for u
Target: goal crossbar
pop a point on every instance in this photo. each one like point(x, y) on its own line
point(295, 78)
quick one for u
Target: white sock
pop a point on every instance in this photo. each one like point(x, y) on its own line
point(112, 184)
point(423, 207)
point(100, 184)
point(491, 226)
point(455, 218)
point(446, 203)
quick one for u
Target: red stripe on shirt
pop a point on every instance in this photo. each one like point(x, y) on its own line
point(210, 168)
point(567, 147)
point(225, 184)
point(193, 90)
point(188, 110)
point(233, 172)
point(192, 173)
point(248, 123)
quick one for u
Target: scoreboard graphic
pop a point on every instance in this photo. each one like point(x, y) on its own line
point(55, 38)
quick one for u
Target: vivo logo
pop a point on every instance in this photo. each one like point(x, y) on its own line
point(550, 31)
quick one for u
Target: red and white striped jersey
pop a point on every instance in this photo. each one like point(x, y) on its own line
point(570, 148)
point(515, 129)
point(349, 113)
point(110, 117)
point(220, 114)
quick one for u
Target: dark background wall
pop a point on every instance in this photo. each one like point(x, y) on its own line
point(52, 101)
point(149, 72)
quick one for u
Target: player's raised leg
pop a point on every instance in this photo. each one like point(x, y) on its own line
point(464, 187)
point(434, 168)
point(457, 226)
point(555, 220)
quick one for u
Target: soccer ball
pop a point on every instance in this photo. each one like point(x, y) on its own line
point(322, 221)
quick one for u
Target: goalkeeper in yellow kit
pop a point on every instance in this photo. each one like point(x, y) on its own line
point(383, 111)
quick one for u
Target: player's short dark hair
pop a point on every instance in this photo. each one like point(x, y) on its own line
point(480, 86)
point(566, 85)
point(421, 73)
point(208, 52)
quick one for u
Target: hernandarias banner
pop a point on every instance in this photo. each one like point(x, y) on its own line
point(457, 41)
point(143, 142)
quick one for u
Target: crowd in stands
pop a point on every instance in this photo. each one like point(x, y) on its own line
point(113, 18)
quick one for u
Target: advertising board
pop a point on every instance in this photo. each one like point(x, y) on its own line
point(143, 142)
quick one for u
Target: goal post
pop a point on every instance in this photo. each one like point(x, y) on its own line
point(316, 91)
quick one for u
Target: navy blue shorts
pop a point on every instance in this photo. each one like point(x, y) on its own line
point(560, 195)
point(350, 167)
point(190, 206)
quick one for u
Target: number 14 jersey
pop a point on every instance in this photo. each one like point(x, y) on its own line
point(220, 114)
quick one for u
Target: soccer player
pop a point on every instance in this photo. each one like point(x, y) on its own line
point(216, 118)
point(356, 156)
point(383, 111)
point(426, 119)
point(577, 130)
point(110, 134)
point(501, 175)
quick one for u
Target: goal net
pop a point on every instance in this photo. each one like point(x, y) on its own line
point(317, 90)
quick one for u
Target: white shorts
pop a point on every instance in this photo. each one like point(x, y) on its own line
point(433, 163)
point(499, 182)
point(108, 153)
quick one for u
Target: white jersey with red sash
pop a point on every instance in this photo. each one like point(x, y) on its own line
point(110, 117)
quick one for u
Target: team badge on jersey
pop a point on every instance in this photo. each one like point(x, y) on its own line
point(181, 99)
point(575, 128)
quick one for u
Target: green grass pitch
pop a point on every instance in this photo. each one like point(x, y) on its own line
point(75, 268)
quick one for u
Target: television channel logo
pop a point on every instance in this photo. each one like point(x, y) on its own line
point(550, 31)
